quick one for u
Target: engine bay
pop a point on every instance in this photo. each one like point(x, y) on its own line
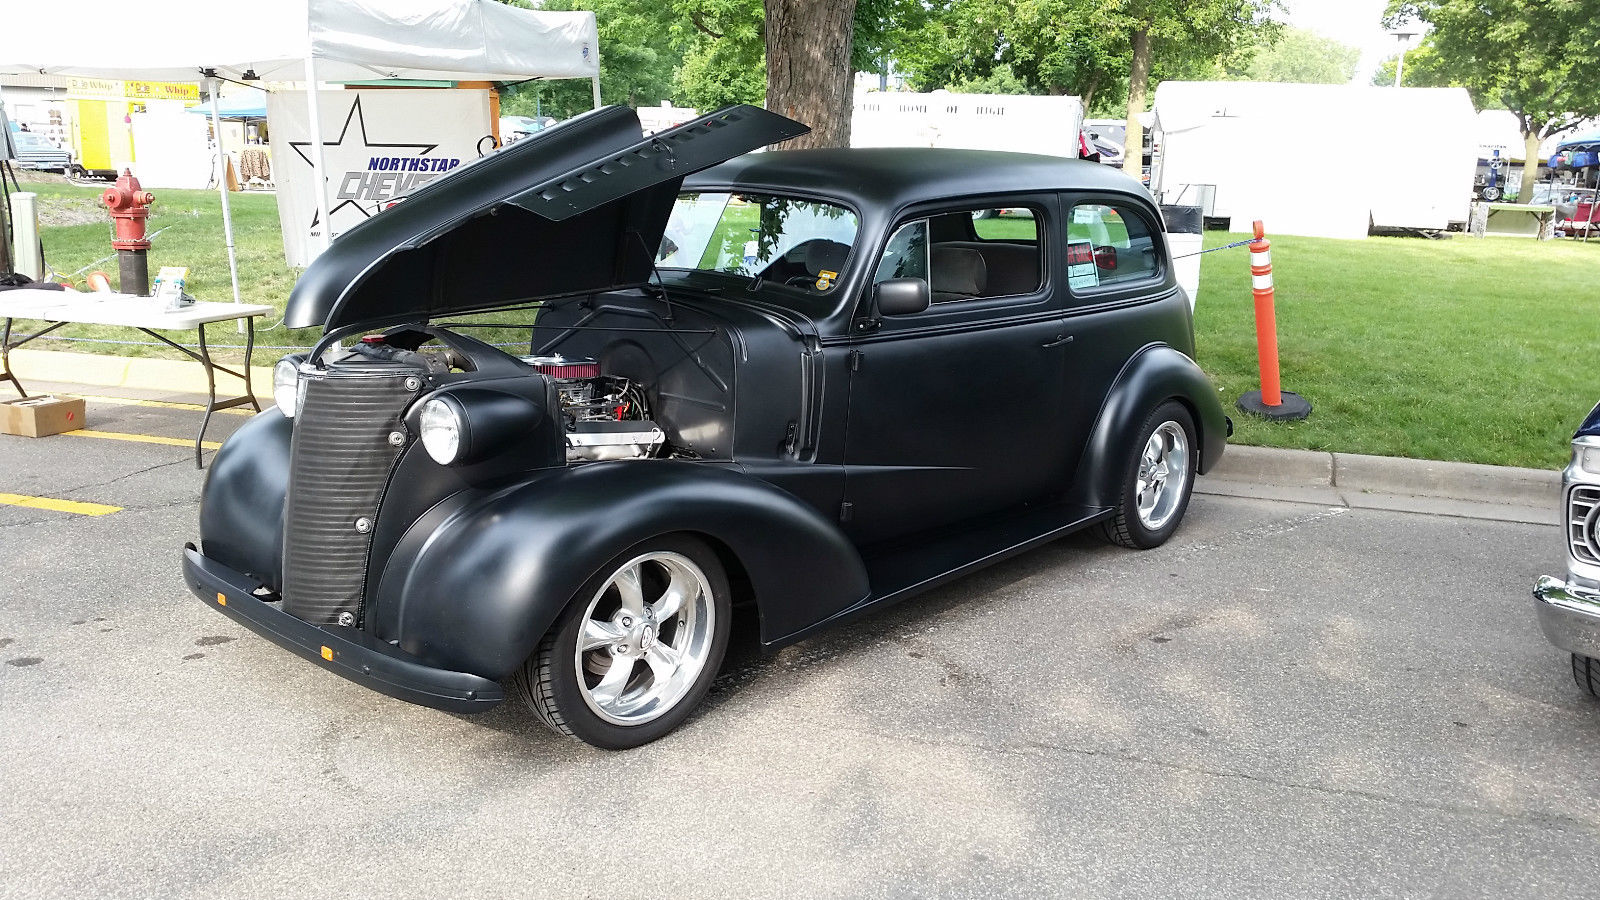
point(603, 416)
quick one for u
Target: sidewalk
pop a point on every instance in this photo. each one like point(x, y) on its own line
point(1466, 490)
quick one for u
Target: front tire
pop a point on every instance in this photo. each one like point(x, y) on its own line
point(1157, 478)
point(636, 649)
point(1586, 672)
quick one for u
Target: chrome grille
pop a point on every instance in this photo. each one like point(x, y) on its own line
point(1583, 502)
point(340, 460)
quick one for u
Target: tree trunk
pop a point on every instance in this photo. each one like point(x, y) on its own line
point(1138, 86)
point(1530, 164)
point(808, 67)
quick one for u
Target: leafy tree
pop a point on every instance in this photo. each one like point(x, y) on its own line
point(1423, 68)
point(999, 81)
point(636, 65)
point(1097, 50)
point(1183, 30)
point(1298, 56)
point(797, 56)
point(1533, 57)
point(723, 46)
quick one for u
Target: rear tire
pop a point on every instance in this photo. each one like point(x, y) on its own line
point(1157, 478)
point(636, 649)
point(1586, 672)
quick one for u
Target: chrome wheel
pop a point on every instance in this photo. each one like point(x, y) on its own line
point(1162, 476)
point(646, 636)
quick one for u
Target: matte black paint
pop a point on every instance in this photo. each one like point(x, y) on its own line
point(241, 518)
point(575, 208)
point(344, 651)
point(843, 460)
point(488, 581)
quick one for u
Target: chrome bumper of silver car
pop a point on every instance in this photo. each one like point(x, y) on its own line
point(1569, 615)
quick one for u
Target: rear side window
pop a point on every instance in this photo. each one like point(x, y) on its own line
point(1005, 224)
point(1109, 244)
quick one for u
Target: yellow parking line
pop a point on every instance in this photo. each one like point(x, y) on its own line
point(66, 506)
point(142, 438)
point(162, 404)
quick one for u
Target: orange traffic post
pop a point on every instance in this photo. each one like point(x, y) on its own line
point(1271, 402)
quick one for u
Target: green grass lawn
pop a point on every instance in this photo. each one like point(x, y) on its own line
point(1460, 349)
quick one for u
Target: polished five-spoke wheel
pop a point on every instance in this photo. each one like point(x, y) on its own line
point(646, 637)
point(1163, 470)
point(1158, 478)
point(636, 649)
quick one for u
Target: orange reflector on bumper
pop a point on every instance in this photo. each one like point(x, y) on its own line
point(327, 653)
point(222, 600)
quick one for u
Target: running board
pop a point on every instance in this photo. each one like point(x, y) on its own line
point(911, 568)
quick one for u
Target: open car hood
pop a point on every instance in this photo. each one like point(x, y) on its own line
point(576, 208)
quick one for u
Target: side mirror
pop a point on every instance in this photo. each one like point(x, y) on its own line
point(900, 296)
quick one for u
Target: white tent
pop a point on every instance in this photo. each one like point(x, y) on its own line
point(1316, 159)
point(304, 41)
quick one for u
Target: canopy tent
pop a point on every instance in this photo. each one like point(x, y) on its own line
point(309, 42)
point(1588, 141)
point(250, 104)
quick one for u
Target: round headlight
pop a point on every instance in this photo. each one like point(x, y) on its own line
point(286, 385)
point(441, 431)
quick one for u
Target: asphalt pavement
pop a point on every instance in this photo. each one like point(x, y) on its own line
point(1290, 699)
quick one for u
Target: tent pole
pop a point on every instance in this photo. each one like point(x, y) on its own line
point(213, 84)
point(318, 164)
point(595, 83)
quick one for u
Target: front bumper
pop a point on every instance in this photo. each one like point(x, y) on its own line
point(346, 652)
point(1569, 615)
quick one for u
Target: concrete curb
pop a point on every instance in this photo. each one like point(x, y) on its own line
point(174, 375)
point(1470, 490)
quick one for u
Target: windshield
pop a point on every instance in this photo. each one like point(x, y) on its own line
point(784, 240)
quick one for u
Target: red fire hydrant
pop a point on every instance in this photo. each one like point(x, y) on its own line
point(129, 207)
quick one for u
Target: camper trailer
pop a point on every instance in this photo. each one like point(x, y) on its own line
point(1317, 159)
point(1049, 126)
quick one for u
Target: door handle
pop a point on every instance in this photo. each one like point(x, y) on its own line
point(1060, 340)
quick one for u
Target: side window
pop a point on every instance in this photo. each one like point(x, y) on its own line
point(906, 255)
point(1109, 244)
point(1005, 224)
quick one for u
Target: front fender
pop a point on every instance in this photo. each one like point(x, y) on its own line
point(241, 506)
point(1154, 375)
point(475, 588)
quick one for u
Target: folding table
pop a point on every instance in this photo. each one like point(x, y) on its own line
point(145, 314)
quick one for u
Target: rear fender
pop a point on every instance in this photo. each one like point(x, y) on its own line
point(1154, 375)
point(474, 586)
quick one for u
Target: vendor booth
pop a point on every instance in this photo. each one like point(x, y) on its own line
point(309, 43)
point(1576, 163)
point(1317, 159)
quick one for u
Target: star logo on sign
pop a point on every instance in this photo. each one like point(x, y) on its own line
point(354, 116)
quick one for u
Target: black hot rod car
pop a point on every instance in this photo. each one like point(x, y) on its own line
point(789, 385)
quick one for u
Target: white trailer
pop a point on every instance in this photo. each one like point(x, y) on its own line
point(1025, 124)
point(1317, 159)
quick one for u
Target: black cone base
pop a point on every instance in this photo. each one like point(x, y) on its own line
point(1293, 407)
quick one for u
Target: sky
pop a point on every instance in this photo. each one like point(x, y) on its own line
point(1354, 22)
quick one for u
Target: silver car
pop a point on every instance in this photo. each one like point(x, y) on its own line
point(1569, 611)
point(34, 151)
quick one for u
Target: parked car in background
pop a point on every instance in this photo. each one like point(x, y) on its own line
point(515, 128)
point(1569, 611)
point(34, 151)
point(791, 387)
